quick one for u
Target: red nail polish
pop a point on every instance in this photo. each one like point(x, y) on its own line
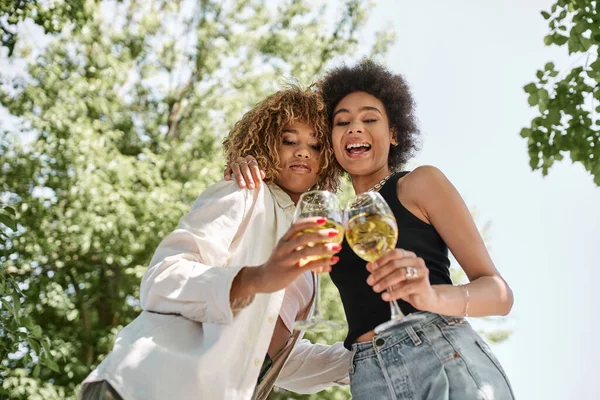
point(321, 220)
point(332, 234)
point(335, 259)
point(336, 247)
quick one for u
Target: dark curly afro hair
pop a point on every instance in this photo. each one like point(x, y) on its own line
point(391, 89)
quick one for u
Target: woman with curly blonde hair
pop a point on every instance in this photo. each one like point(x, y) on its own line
point(223, 290)
point(259, 131)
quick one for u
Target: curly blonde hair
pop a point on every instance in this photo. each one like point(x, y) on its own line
point(258, 133)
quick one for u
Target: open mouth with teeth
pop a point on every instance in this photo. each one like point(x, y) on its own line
point(357, 148)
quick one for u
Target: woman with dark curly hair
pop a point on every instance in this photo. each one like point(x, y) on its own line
point(434, 353)
point(216, 322)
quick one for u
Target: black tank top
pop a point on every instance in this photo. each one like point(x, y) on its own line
point(364, 308)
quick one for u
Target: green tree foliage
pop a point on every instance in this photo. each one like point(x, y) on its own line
point(15, 326)
point(119, 129)
point(52, 16)
point(569, 101)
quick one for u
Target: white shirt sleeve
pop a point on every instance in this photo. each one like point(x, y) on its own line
point(187, 275)
point(311, 368)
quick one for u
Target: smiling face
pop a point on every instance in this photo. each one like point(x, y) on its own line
point(300, 159)
point(361, 135)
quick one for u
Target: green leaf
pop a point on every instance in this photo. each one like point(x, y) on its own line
point(46, 345)
point(533, 163)
point(7, 306)
point(50, 363)
point(47, 358)
point(545, 14)
point(539, 74)
point(9, 210)
point(36, 332)
point(9, 222)
point(34, 345)
point(533, 99)
point(585, 43)
point(548, 40)
point(559, 40)
point(580, 27)
point(553, 116)
point(526, 132)
point(549, 66)
point(530, 88)
point(36, 371)
point(16, 302)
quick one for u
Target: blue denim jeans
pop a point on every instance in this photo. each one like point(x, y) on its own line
point(428, 356)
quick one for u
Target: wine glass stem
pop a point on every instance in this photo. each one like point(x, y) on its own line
point(397, 313)
point(317, 313)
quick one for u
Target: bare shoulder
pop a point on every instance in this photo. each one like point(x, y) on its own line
point(423, 180)
point(415, 188)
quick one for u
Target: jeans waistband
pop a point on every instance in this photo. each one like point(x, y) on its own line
point(406, 330)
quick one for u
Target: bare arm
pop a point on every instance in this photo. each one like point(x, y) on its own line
point(445, 209)
point(428, 194)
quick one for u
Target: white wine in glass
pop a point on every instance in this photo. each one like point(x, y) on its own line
point(320, 203)
point(371, 231)
point(336, 239)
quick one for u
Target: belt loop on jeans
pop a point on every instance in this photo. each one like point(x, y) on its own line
point(413, 335)
point(452, 320)
point(353, 351)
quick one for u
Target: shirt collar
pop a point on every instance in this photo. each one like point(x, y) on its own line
point(283, 199)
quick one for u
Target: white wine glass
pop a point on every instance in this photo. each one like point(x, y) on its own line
point(371, 231)
point(320, 203)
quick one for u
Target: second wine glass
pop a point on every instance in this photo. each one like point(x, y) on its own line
point(320, 203)
point(371, 231)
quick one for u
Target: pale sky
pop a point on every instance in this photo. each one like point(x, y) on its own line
point(467, 62)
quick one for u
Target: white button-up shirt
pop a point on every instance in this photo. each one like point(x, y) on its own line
point(190, 342)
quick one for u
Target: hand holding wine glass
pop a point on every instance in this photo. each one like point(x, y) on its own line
point(283, 266)
point(407, 278)
point(320, 204)
point(372, 231)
